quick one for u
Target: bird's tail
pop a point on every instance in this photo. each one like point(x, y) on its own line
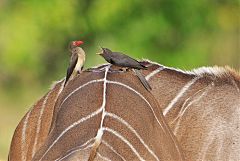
point(142, 79)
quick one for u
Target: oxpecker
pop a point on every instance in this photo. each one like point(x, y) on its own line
point(77, 60)
point(122, 60)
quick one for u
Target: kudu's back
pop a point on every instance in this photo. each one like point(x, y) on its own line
point(202, 108)
point(102, 115)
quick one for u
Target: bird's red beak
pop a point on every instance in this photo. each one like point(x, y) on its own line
point(77, 43)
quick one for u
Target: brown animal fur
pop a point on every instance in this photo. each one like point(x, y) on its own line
point(205, 118)
point(23, 148)
point(120, 101)
point(207, 130)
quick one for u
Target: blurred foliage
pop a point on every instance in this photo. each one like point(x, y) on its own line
point(34, 36)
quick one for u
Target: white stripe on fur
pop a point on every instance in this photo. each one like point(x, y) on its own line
point(124, 140)
point(78, 148)
point(110, 147)
point(179, 95)
point(70, 127)
point(121, 120)
point(156, 71)
point(24, 130)
point(39, 123)
point(102, 157)
point(100, 130)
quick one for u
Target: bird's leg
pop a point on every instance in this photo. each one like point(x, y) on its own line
point(115, 68)
point(88, 70)
point(125, 69)
point(80, 71)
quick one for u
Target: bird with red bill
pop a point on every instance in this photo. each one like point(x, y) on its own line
point(76, 61)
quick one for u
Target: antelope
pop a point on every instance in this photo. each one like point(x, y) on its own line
point(100, 115)
point(200, 106)
point(33, 129)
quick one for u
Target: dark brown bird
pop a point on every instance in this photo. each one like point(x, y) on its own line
point(77, 59)
point(122, 60)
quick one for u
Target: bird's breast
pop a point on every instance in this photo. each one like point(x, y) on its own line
point(80, 63)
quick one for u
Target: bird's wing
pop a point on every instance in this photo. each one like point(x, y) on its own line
point(127, 60)
point(121, 56)
point(73, 62)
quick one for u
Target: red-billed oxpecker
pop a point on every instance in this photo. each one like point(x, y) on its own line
point(77, 60)
point(122, 60)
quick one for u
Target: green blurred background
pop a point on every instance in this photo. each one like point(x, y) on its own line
point(34, 36)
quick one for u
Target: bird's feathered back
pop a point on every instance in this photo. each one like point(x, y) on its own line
point(120, 59)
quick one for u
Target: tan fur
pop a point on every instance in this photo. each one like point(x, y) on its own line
point(205, 119)
point(16, 151)
point(120, 101)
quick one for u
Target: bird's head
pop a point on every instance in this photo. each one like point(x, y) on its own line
point(105, 51)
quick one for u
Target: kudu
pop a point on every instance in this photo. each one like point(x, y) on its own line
point(100, 115)
point(202, 107)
